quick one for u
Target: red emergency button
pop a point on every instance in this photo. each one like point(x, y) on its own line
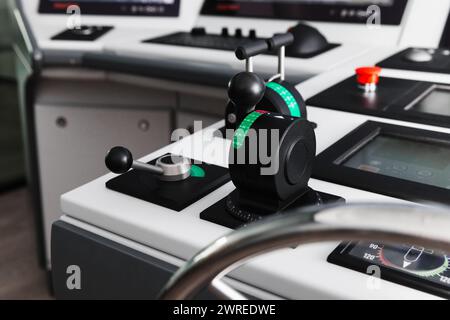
point(368, 77)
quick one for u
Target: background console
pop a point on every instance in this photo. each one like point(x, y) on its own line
point(420, 59)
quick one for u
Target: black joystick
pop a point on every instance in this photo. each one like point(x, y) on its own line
point(119, 160)
point(245, 90)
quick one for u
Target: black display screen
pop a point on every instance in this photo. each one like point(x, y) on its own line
point(415, 266)
point(414, 160)
point(350, 11)
point(436, 101)
point(157, 8)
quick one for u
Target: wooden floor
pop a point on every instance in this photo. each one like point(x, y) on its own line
point(20, 275)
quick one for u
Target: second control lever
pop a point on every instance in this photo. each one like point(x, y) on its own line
point(119, 160)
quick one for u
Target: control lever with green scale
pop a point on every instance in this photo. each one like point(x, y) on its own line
point(277, 94)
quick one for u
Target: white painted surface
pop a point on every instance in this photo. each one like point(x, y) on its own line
point(301, 273)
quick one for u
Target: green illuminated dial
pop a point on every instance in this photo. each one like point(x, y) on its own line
point(288, 98)
point(244, 127)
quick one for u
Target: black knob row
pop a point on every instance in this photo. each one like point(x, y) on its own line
point(201, 31)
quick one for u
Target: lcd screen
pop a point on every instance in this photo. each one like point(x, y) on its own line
point(425, 162)
point(437, 101)
point(353, 11)
point(157, 8)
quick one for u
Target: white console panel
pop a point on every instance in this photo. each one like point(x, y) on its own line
point(302, 273)
point(289, 273)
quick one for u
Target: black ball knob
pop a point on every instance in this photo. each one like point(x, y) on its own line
point(246, 89)
point(119, 160)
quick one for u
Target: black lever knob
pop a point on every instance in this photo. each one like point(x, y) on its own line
point(246, 89)
point(119, 160)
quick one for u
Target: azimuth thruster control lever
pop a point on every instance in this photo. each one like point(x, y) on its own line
point(270, 172)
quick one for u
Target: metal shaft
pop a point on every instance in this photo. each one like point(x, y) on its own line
point(249, 64)
point(137, 165)
point(282, 62)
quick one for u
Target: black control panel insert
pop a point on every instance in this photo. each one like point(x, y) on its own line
point(176, 194)
point(310, 42)
point(84, 33)
point(413, 266)
point(396, 161)
point(420, 59)
point(400, 99)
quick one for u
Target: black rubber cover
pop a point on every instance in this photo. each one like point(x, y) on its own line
point(279, 40)
point(251, 49)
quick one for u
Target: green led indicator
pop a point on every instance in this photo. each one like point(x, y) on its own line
point(287, 97)
point(242, 131)
point(197, 172)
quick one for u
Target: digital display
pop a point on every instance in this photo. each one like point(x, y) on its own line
point(437, 101)
point(157, 8)
point(414, 160)
point(418, 267)
point(352, 11)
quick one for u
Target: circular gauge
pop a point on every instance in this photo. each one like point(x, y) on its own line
point(415, 259)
